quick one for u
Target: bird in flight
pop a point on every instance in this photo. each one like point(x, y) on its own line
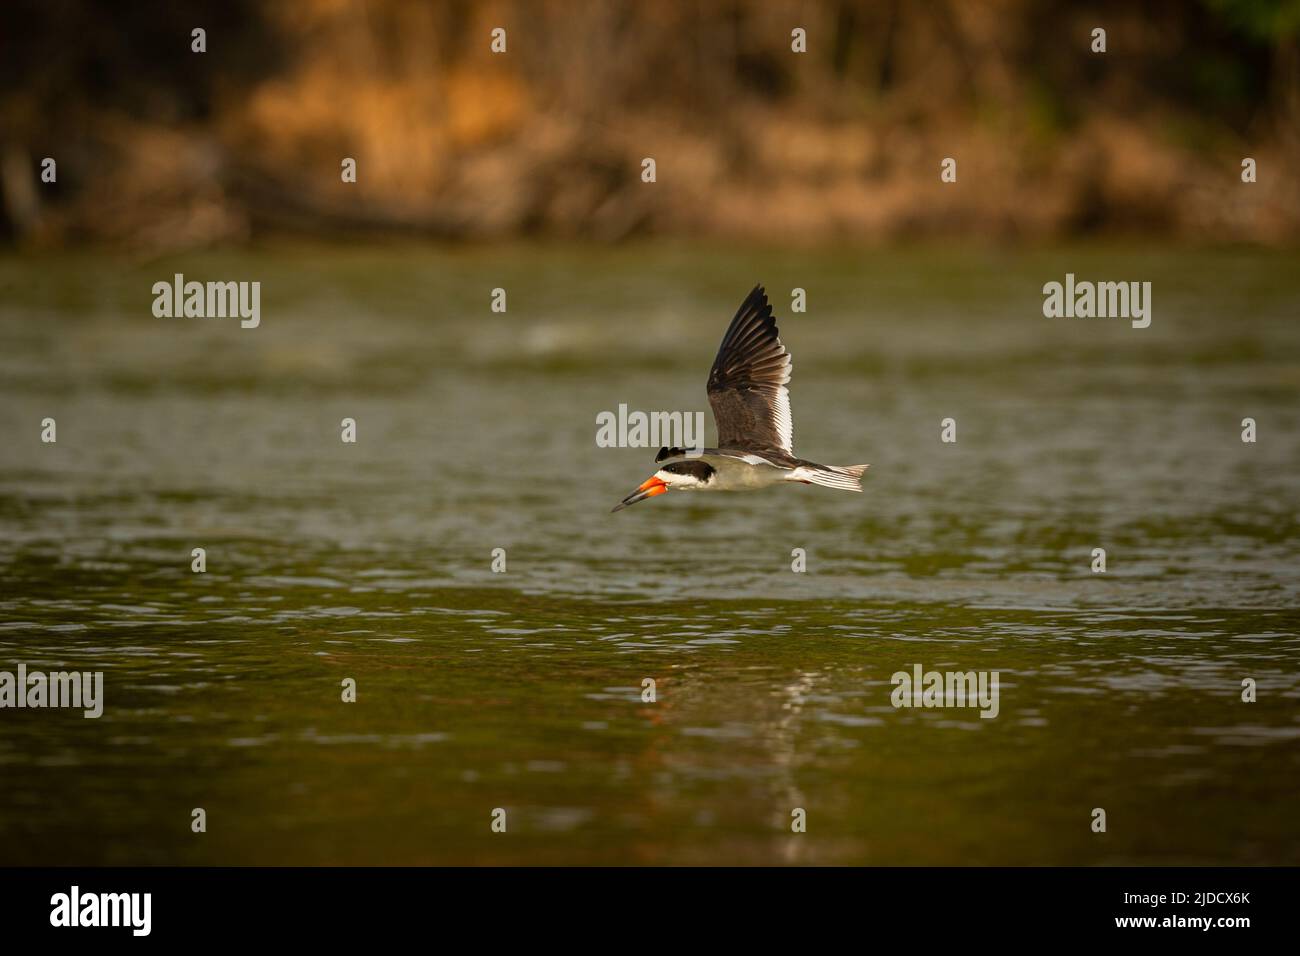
point(751, 406)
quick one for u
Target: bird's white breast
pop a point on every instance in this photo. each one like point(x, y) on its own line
point(743, 474)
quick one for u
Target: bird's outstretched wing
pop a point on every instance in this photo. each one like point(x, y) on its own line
point(751, 404)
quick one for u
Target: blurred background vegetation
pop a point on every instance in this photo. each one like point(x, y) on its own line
point(159, 147)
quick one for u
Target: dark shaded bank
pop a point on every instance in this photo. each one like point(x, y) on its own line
point(160, 146)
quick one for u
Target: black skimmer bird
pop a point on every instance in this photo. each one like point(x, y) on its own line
point(751, 406)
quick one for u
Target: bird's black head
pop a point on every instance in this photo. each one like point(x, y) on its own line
point(701, 471)
point(687, 475)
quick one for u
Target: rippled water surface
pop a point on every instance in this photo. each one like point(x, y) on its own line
point(523, 690)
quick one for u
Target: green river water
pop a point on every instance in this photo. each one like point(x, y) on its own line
point(522, 690)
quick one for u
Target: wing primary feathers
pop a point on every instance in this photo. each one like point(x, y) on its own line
point(746, 386)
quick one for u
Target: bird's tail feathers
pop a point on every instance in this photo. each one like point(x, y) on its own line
point(843, 477)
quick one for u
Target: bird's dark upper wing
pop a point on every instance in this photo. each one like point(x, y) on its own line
point(747, 382)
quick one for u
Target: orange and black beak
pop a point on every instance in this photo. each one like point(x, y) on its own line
point(649, 488)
